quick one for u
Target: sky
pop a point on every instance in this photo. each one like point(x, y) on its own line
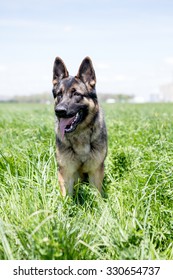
point(130, 43)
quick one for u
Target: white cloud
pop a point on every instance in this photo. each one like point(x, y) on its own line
point(68, 28)
point(169, 60)
point(3, 68)
point(120, 78)
point(124, 78)
point(102, 66)
point(16, 23)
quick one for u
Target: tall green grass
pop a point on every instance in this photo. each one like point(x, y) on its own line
point(132, 220)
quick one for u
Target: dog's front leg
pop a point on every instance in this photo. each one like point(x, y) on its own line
point(96, 177)
point(66, 181)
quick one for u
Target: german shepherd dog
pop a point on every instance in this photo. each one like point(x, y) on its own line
point(81, 136)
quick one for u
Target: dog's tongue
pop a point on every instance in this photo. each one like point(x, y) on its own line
point(63, 123)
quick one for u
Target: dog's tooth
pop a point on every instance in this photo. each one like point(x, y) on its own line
point(76, 116)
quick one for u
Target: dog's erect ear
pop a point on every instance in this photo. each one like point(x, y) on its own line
point(86, 73)
point(59, 70)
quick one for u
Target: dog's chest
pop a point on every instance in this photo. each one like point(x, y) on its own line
point(82, 147)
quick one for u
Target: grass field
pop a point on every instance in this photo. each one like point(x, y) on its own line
point(133, 219)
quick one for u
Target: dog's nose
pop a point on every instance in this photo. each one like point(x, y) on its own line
point(61, 111)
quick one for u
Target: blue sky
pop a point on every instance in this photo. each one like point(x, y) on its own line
point(129, 41)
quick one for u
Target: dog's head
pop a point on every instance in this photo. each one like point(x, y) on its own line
point(75, 97)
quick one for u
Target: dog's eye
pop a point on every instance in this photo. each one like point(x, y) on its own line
point(73, 90)
point(77, 93)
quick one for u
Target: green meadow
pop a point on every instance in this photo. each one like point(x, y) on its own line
point(133, 219)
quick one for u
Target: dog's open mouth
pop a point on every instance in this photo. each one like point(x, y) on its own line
point(68, 125)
